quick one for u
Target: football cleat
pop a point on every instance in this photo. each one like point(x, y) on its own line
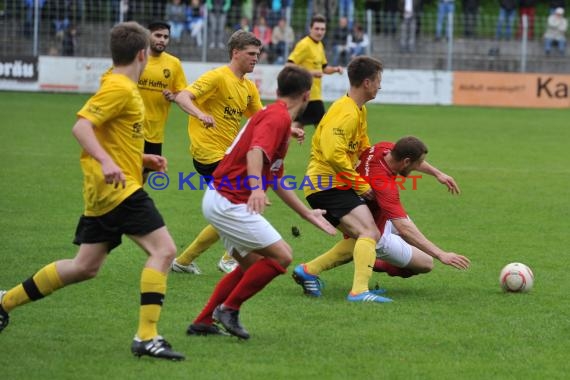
point(4, 317)
point(367, 296)
point(156, 348)
point(311, 284)
point(378, 290)
point(204, 330)
point(227, 264)
point(230, 320)
point(190, 268)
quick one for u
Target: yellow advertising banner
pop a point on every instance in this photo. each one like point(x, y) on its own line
point(511, 90)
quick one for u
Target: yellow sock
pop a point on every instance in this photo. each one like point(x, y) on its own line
point(339, 254)
point(205, 239)
point(40, 285)
point(364, 257)
point(153, 288)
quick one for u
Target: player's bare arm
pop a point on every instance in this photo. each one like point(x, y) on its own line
point(441, 177)
point(155, 162)
point(333, 70)
point(185, 101)
point(315, 217)
point(83, 132)
point(413, 236)
point(298, 133)
point(258, 198)
point(169, 95)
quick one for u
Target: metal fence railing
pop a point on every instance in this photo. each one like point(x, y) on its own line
point(80, 28)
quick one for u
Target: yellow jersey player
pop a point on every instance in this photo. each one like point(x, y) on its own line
point(216, 103)
point(109, 128)
point(309, 53)
point(162, 78)
point(339, 139)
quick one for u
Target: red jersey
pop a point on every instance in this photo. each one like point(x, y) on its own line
point(268, 130)
point(373, 166)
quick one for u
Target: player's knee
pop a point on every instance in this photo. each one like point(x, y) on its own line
point(426, 265)
point(169, 252)
point(166, 252)
point(371, 233)
point(376, 234)
point(285, 257)
point(286, 260)
point(85, 272)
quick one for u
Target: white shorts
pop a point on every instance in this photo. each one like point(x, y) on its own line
point(239, 229)
point(392, 248)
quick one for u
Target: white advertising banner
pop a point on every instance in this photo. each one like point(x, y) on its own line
point(74, 74)
point(398, 86)
point(416, 87)
point(71, 74)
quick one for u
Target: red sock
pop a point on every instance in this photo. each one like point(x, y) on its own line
point(392, 270)
point(255, 278)
point(220, 293)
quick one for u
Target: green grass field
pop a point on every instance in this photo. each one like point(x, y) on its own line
point(512, 166)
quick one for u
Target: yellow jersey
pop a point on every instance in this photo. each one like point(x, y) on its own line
point(227, 99)
point(339, 139)
point(161, 73)
point(117, 111)
point(310, 54)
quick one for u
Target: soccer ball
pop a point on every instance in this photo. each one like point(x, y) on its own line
point(516, 277)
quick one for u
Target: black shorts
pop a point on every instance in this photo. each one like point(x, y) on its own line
point(205, 170)
point(137, 215)
point(313, 113)
point(152, 148)
point(336, 202)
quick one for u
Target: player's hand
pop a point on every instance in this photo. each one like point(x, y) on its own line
point(257, 201)
point(168, 95)
point(113, 174)
point(339, 69)
point(448, 181)
point(317, 219)
point(207, 120)
point(455, 260)
point(299, 134)
point(317, 74)
point(155, 162)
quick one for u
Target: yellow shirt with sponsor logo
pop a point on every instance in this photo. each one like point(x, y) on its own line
point(340, 138)
point(310, 54)
point(227, 98)
point(161, 73)
point(117, 112)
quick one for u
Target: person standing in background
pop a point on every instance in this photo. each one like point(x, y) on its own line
point(217, 17)
point(556, 32)
point(310, 54)
point(162, 78)
point(444, 9)
point(527, 8)
point(470, 12)
point(507, 16)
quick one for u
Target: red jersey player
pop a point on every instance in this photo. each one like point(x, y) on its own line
point(234, 202)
